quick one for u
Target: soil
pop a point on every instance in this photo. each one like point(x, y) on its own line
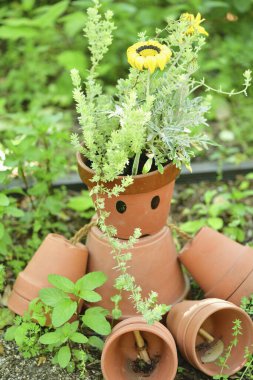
point(144, 369)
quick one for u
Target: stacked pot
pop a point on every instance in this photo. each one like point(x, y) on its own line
point(144, 204)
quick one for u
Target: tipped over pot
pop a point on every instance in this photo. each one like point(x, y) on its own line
point(221, 267)
point(145, 204)
point(56, 255)
point(120, 358)
point(203, 332)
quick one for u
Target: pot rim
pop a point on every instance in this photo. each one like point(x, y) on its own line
point(142, 182)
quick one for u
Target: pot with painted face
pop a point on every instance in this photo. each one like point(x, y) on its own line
point(120, 354)
point(222, 267)
point(145, 204)
point(203, 331)
point(56, 255)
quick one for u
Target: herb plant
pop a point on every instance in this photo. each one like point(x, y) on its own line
point(222, 361)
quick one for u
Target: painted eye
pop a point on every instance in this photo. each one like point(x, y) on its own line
point(155, 202)
point(121, 207)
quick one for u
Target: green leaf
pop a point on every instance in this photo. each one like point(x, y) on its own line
point(14, 33)
point(52, 296)
point(81, 203)
point(97, 342)
point(90, 295)
point(147, 166)
point(94, 318)
point(215, 223)
point(51, 13)
point(50, 338)
point(192, 227)
point(78, 338)
point(91, 281)
point(70, 59)
point(14, 211)
point(1, 230)
point(63, 311)
point(209, 196)
point(6, 317)
point(4, 200)
point(73, 23)
point(61, 282)
point(64, 356)
point(10, 333)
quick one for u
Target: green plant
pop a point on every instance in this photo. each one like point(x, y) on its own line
point(248, 371)
point(2, 277)
point(54, 308)
point(26, 334)
point(32, 154)
point(224, 208)
point(247, 305)
point(66, 299)
point(222, 361)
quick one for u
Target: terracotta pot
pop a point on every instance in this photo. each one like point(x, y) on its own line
point(120, 351)
point(56, 255)
point(230, 263)
point(216, 317)
point(154, 266)
point(145, 204)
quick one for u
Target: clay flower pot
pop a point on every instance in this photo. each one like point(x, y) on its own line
point(56, 255)
point(154, 266)
point(120, 352)
point(222, 267)
point(145, 204)
point(216, 317)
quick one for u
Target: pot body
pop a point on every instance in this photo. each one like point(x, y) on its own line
point(145, 204)
point(154, 265)
point(56, 255)
point(216, 317)
point(230, 264)
point(120, 351)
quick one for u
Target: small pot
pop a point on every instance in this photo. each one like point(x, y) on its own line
point(154, 266)
point(56, 255)
point(216, 317)
point(145, 204)
point(120, 351)
point(219, 265)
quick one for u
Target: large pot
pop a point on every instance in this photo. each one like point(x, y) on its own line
point(154, 265)
point(216, 317)
point(222, 267)
point(56, 255)
point(145, 204)
point(120, 351)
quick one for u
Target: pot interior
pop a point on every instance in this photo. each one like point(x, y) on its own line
point(220, 326)
point(121, 361)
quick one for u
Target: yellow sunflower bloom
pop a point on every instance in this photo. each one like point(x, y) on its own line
point(148, 55)
point(194, 23)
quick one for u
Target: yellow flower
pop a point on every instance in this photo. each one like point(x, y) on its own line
point(194, 23)
point(148, 55)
